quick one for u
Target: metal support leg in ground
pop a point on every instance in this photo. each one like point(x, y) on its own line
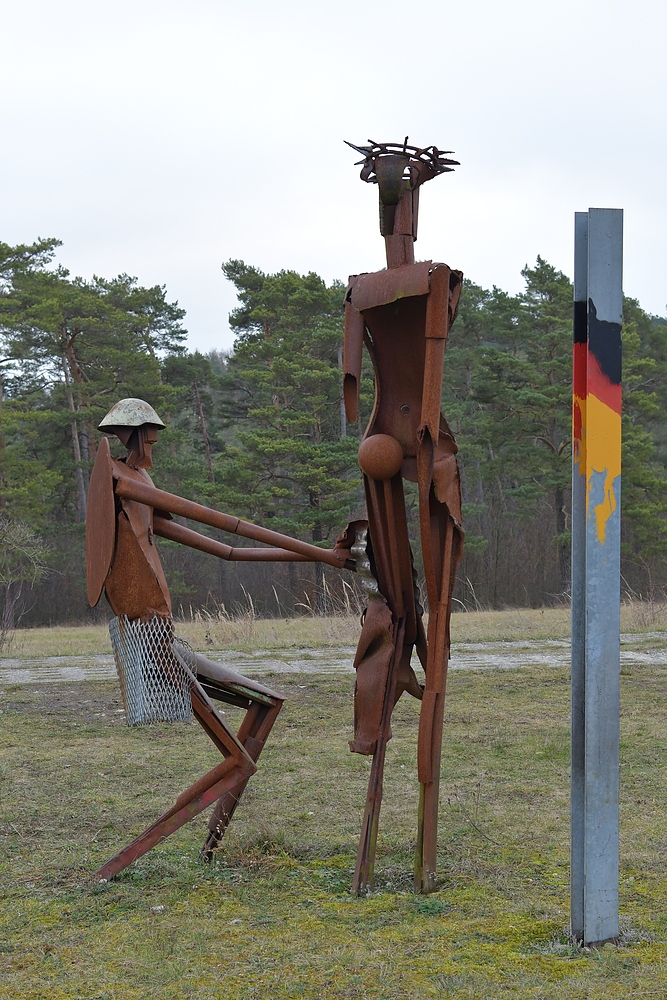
point(596, 520)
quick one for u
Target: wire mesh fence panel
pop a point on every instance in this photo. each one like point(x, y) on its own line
point(154, 685)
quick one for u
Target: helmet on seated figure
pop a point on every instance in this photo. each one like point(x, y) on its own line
point(136, 424)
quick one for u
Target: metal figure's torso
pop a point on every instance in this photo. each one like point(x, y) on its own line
point(122, 559)
point(136, 584)
point(397, 351)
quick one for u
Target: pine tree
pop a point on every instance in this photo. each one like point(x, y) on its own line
point(289, 467)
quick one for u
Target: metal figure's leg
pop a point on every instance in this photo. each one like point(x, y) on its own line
point(363, 872)
point(428, 755)
point(263, 706)
point(253, 734)
point(383, 656)
point(188, 805)
point(439, 528)
point(237, 767)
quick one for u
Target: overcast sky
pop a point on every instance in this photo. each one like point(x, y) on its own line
point(162, 138)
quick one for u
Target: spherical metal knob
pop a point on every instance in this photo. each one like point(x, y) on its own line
point(380, 456)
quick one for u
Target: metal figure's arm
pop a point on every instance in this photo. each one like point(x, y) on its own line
point(186, 536)
point(131, 489)
point(352, 350)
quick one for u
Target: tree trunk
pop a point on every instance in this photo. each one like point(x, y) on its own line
point(10, 606)
point(293, 582)
point(84, 439)
point(343, 415)
point(78, 378)
point(463, 479)
point(222, 575)
point(76, 448)
point(321, 593)
point(204, 432)
point(563, 547)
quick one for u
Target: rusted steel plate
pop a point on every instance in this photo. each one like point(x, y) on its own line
point(132, 588)
point(437, 309)
point(399, 373)
point(100, 523)
point(382, 287)
point(353, 348)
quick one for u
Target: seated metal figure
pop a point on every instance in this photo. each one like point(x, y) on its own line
point(123, 562)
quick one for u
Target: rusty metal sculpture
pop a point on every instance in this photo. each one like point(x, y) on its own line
point(125, 512)
point(402, 315)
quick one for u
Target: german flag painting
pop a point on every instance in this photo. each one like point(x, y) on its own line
point(596, 412)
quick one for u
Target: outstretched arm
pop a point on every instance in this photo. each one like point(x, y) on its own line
point(186, 536)
point(131, 489)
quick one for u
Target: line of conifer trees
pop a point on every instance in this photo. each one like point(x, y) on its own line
point(260, 432)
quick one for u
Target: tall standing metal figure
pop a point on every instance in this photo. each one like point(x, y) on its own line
point(403, 315)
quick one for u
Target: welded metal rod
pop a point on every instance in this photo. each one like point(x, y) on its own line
point(129, 489)
point(186, 536)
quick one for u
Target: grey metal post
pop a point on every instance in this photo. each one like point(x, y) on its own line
point(577, 769)
point(596, 485)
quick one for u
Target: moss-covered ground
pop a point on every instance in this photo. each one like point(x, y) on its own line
point(273, 917)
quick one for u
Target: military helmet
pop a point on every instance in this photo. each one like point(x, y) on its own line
point(129, 413)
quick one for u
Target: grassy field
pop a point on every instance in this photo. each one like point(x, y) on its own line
point(273, 917)
point(246, 632)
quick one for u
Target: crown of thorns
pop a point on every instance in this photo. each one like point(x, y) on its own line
point(435, 160)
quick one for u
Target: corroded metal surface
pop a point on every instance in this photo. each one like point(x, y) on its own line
point(130, 488)
point(383, 287)
point(100, 524)
point(403, 315)
point(129, 412)
point(380, 456)
point(123, 512)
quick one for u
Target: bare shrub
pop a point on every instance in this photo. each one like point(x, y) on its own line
point(22, 564)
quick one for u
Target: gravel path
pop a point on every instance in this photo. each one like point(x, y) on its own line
point(465, 656)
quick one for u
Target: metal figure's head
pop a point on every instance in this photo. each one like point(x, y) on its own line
point(137, 424)
point(398, 168)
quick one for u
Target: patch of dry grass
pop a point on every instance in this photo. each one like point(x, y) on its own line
point(246, 632)
point(512, 624)
point(273, 916)
point(60, 640)
point(241, 632)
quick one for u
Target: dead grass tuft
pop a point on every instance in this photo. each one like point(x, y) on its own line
point(242, 630)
